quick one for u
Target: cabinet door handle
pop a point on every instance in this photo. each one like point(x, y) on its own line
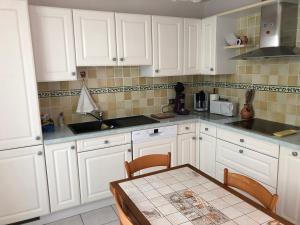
point(242, 140)
point(73, 147)
point(241, 151)
point(130, 150)
point(156, 71)
point(200, 138)
point(187, 128)
point(37, 138)
point(211, 69)
point(206, 129)
point(122, 59)
point(295, 154)
point(40, 153)
point(194, 138)
point(114, 59)
point(73, 73)
point(106, 142)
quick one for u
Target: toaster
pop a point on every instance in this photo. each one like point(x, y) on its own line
point(224, 108)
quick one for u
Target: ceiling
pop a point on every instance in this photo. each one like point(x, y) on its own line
point(153, 7)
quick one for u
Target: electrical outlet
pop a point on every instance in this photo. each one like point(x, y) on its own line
point(171, 101)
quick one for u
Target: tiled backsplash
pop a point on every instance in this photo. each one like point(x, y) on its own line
point(120, 91)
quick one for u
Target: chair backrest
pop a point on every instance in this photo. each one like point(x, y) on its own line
point(147, 161)
point(252, 187)
point(124, 220)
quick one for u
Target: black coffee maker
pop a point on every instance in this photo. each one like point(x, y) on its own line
point(180, 100)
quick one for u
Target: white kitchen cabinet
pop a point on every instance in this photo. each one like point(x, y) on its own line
point(98, 168)
point(192, 46)
point(215, 59)
point(289, 185)
point(253, 164)
point(167, 36)
point(23, 189)
point(186, 149)
point(20, 116)
point(134, 42)
point(63, 180)
point(95, 38)
point(208, 154)
point(53, 43)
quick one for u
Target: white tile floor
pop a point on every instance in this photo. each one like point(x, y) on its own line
point(103, 216)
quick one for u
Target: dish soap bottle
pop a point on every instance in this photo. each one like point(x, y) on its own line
point(61, 120)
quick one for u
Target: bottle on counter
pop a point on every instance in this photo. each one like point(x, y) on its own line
point(61, 120)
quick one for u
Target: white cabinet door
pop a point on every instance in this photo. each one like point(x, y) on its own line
point(62, 170)
point(23, 189)
point(208, 45)
point(100, 167)
point(53, 43)
point(255, 165)
point(134, 42)
point(167, 45)
point(186, 150)
point(192, 46)
point(208, 154)
point(95, 38)
point(20, 117)
point(162, 146)
point(289, 185)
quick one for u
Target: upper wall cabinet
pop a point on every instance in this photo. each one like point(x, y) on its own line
point(20, 116)
point(95, 38)
point(167, 34)
point(134, 42)
point(192, 46)
point(53, 43)
point(214, 58)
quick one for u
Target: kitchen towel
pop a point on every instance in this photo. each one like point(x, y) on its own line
point(85, 104)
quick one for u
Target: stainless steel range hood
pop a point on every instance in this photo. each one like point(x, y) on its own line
point(278, 32)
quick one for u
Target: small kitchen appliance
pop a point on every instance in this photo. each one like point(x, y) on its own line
point(179, 107)
point(224, 108)
point(201, 101)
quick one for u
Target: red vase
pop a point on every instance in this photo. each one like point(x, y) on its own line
point(247, 112)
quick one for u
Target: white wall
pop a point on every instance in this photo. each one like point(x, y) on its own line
point(154, 7)
point(217, 6)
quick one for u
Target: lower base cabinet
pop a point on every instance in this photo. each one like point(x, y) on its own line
point(23, 184)
point(186, 149)
point(289, 185)
point(98, 168)
point(63, 181)
point(208, 154)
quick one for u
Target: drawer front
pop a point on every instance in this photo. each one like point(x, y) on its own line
point(186, 128)
point(208, 129)
point(220, 177)
point(103, 142)
point(255, 165)
point(264, 147)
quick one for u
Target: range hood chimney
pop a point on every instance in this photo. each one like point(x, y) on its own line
point(278, 32)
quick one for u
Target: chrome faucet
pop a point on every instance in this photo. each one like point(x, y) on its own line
point(97, 114)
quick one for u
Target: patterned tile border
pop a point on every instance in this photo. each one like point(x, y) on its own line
point(96, 91)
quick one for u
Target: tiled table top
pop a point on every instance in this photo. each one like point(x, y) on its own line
point(182, 196)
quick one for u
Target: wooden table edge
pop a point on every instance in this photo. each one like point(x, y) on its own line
point(140, 219)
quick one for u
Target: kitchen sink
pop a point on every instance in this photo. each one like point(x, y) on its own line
point(94, 126)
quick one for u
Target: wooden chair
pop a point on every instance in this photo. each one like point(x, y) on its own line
point(147, 161)
point(124, 220)
point(252, 187)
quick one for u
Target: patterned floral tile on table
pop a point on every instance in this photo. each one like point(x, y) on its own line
point(184, 197)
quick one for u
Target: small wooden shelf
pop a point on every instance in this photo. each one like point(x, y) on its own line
point(235, 46)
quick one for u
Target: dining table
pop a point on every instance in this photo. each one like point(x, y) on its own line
point(184, 195)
